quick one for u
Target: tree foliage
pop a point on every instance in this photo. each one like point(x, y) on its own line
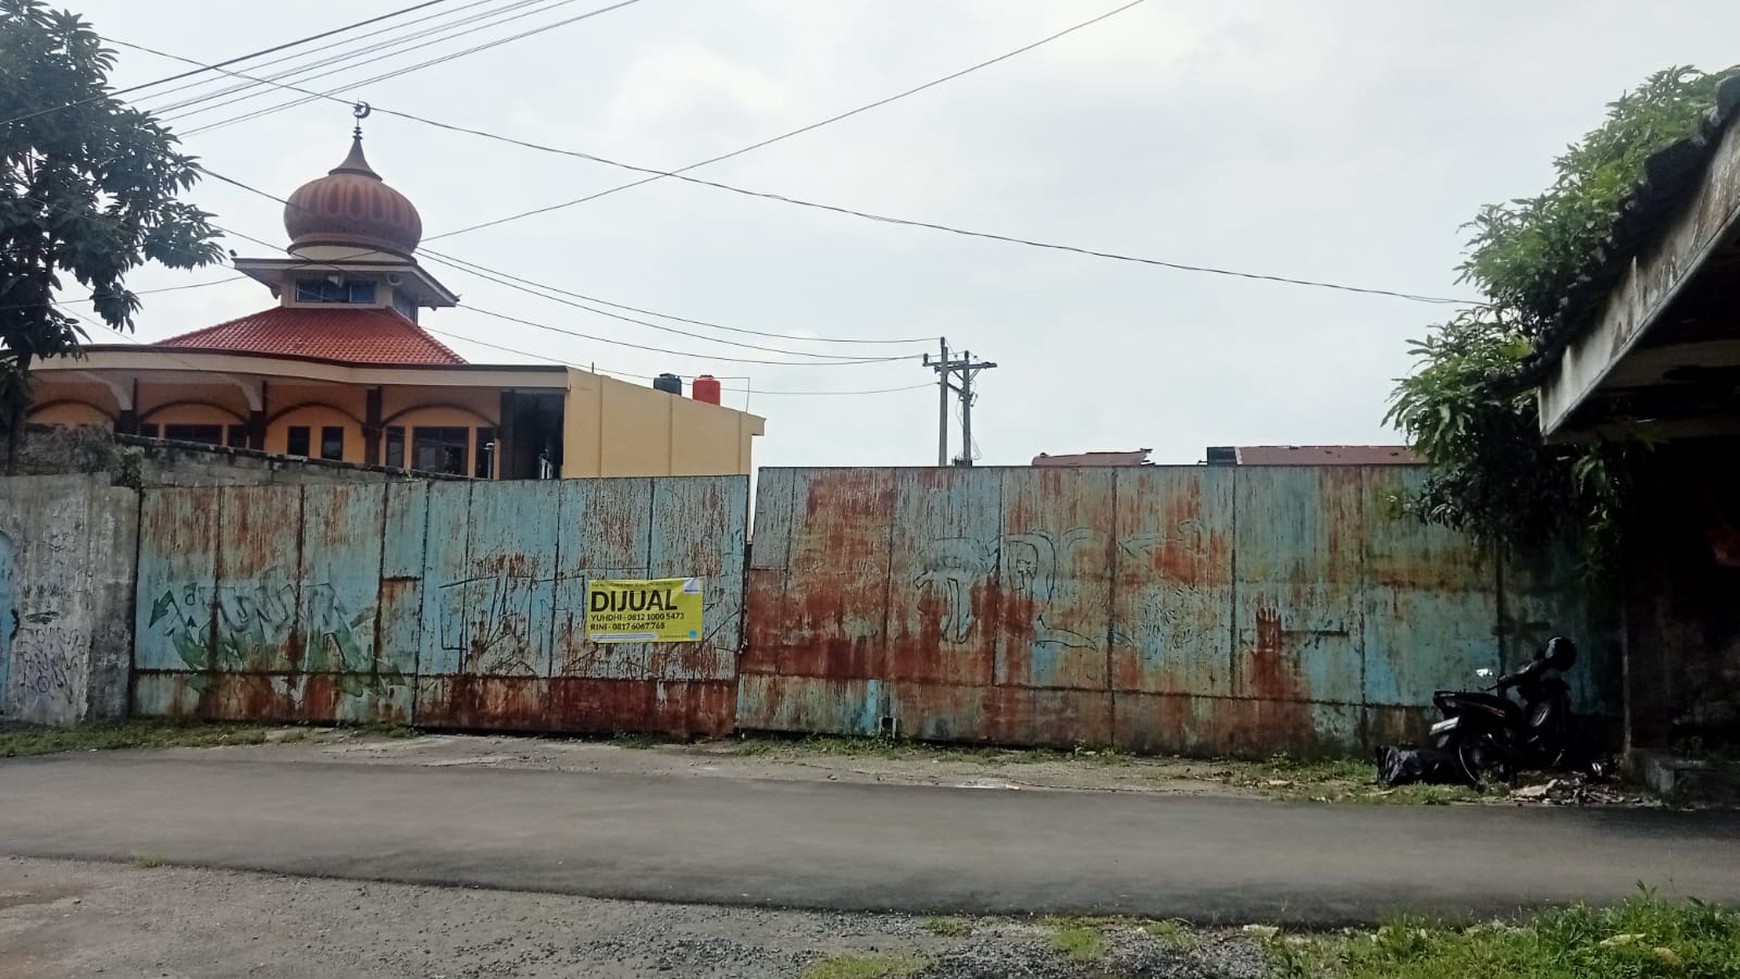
point(89, 191)
point(1463, 408)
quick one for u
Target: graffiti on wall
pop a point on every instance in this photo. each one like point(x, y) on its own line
point(44, 637)
point(45, 653)
point(490, 621)
point(254, 624)
point(1026, 570)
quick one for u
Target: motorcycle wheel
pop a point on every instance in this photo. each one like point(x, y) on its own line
point(1471, 756)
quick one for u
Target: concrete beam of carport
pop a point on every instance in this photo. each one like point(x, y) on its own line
point(1647, 288)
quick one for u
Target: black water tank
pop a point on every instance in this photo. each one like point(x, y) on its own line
point(669, 383)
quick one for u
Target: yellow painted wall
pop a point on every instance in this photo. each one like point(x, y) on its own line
point(192, 415)
point(348, 399)
point(710, 441)
point(476, 406)
point(231, 404)
point(614, 428)
point(316, 417)
point(47, 387)
point(71, 413)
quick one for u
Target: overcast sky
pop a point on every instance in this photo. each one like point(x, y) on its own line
point(1335, 140)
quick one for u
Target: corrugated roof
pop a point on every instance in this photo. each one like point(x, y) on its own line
point(1670, 178)
point(1326, 455)
point(359, 336)
point(1136, 457)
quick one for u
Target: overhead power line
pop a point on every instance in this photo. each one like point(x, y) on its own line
point(464, 265)
point(631, 375)
point(395, 37)
point(402, 70)
point(679, 353)
point(800, 130)
point(530, 287)
point(486, 274)
point(203, 68)
point(331, 94)
point(934, 226)
point(585, 336)
point(641, 346)
point(136, 292)
point(301, 54)
point(130, 338)
point(468, 339)
point(903, 222)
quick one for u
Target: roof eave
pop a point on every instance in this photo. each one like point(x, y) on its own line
point(1691, 208)
point(270, 272)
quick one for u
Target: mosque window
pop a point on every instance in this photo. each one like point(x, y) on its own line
point(327, 291)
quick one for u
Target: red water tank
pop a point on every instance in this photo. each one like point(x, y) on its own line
point(706, 388)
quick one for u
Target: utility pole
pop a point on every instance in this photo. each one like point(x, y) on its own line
point(942, 405)
point(947, 370)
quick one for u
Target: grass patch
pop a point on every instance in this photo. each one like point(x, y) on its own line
point(1172, 933)
point(866, 967)
point(1645, 937)
point(948, 927)
point(396, 731)
point(24, 742)
point(637, 741)
point(146, 861)
point(881, 746)
point(1331, 780)
point(1077, 939)
point(841, 746)
point(1282, 776)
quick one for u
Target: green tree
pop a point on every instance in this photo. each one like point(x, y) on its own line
point(89, 190)
point(1466, 409)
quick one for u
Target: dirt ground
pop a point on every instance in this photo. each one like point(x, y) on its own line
point(899, 763)
point(760, 759)
point(66, 919)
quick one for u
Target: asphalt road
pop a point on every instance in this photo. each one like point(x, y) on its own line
point(854, 847)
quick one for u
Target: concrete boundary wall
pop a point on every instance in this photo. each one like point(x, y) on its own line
point(66, 589)
point(1203, 610)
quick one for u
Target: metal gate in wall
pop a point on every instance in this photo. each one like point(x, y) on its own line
point(446, 604)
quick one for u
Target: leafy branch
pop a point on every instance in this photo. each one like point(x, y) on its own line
point(89, 190)
point(1464, 408)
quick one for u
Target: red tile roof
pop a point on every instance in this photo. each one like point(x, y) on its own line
point(1326, 455)
point(1138, 457)
point(358, 336)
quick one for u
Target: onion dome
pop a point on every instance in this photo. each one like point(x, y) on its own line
point(352, 206)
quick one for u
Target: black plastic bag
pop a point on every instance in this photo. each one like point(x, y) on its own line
point(1418, 766)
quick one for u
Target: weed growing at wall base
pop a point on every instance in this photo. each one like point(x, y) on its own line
point(25, 741)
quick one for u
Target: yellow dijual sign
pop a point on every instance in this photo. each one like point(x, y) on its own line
point(661, 610)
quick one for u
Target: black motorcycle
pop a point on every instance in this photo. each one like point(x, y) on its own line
point(1487, 731)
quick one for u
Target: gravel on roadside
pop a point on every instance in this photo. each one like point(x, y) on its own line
point(63, 918)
